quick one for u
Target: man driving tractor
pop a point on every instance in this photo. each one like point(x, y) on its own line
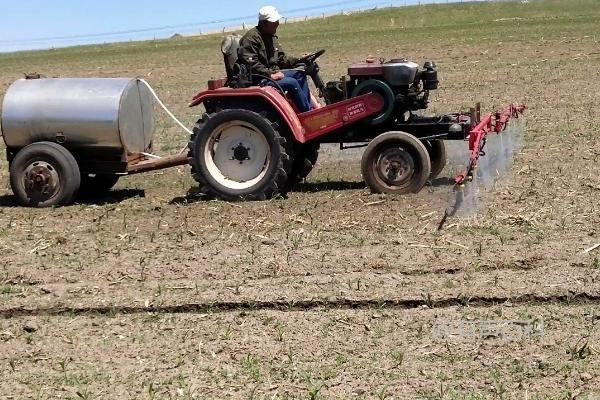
point(261, 51)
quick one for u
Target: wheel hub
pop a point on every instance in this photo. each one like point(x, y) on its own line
point(237, 155)
point(41, 179)
point(395, 166)
point(241, 153)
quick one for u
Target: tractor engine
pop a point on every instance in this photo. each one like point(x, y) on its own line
point(402, 84)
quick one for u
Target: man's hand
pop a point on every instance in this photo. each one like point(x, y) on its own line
point(277, 76)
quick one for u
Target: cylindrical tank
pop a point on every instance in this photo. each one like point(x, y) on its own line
point(95, 113)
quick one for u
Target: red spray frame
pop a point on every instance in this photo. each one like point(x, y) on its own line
point(493, 122)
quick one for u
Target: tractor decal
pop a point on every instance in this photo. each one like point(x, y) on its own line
point(319, 121)
point(354, 111)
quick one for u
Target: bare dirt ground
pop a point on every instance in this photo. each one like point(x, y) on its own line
point(332, 292)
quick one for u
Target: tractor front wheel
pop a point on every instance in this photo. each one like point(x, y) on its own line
point(395, 162)
point(238, 154)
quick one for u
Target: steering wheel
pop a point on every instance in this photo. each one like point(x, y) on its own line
point(311, 57)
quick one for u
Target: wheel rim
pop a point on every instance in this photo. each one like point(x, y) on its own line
point(237, 155)
point(395, 168)
point(41, 181)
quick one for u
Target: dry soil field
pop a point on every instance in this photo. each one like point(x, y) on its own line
point(333, 292)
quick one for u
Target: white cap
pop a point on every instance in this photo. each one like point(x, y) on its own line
point(269, 13)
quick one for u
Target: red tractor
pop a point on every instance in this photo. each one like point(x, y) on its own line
point(66, 136)
point(252, 144)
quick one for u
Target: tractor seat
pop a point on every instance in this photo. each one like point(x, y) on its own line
point(229, 49)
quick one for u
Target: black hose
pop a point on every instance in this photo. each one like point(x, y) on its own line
point(452, 209)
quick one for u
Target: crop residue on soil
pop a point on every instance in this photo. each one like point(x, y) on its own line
point(332, 292)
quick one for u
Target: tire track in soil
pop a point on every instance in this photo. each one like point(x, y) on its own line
point(571, 298)
point(371, 288)
point(525, 264)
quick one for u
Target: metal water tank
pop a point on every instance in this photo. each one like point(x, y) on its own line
point(95, 113)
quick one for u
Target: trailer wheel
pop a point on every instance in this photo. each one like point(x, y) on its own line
point(93, 184)
point(305, 158)
point(437, 155)
point(395, 162)
point(238, 154)
point(44, 174)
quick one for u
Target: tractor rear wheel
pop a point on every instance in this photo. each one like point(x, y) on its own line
point(437, 155)
point(395, 162)
point(305, 158)
point(238, 154)
point(44, 174)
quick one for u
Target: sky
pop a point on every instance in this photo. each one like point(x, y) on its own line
point(42, 24)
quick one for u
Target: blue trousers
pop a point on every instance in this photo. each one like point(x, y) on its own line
point(296, 85)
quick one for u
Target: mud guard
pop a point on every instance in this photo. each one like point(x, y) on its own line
point(310, 125)
point(269, 94)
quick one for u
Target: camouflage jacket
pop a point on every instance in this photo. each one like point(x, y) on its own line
point(263, 53)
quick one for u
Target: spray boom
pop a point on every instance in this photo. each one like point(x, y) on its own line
point(493, 122)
